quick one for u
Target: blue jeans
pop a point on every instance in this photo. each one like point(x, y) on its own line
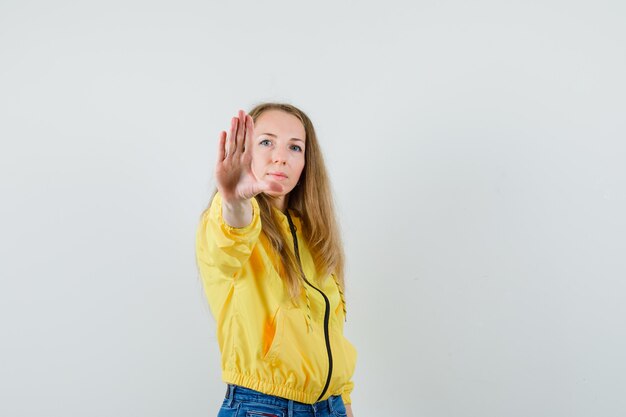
point(245, 402)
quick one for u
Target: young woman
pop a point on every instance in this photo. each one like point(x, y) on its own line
point(271, 262)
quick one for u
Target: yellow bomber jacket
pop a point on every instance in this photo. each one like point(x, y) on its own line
point(267, 342)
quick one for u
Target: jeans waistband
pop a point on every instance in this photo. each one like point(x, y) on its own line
point(239, 393)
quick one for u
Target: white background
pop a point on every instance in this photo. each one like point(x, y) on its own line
point(478, 157)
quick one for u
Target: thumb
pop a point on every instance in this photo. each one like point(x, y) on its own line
point(265, 186)
point(259, 187)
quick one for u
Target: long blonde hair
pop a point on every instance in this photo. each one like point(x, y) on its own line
point(311, 199)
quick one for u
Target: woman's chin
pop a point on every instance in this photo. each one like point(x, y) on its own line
point(274, 194)
point(277, 194)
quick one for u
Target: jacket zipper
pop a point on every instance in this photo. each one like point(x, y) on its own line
point(292, 227)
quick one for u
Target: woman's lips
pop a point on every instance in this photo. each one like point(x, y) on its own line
point(278, 175)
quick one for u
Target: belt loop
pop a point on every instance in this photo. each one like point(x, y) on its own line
point(290, 408)
point(330, 404)
point(230, 394)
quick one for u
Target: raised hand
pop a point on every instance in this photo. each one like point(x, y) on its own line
point(233, 172)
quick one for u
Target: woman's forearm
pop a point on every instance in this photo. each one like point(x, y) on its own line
point(349, 410)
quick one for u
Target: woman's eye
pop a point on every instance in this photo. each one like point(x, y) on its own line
point(265, 142)
point(296, 148)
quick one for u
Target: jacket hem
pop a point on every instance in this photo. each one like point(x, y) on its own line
point(247, 381)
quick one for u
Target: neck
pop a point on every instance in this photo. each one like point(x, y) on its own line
point(280, 203)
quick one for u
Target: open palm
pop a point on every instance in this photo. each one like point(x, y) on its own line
point(233, 172)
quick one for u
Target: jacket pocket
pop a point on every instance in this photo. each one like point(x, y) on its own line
point(278, 326)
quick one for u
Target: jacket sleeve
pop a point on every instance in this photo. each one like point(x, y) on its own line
point(223, 250)
point(347, 390)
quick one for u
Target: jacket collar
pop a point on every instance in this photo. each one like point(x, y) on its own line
point(282, 218)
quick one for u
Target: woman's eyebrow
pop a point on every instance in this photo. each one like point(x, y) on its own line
point(274, 136)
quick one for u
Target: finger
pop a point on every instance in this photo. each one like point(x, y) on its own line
point(232, 139)
point(249, 133)
point(221, 147)
point(241, 122)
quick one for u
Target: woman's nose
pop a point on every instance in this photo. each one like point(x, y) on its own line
point(279, 156)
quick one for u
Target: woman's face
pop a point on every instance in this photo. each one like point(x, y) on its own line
point(278, 150)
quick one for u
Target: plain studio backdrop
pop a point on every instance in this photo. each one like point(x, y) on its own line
point(477, 151)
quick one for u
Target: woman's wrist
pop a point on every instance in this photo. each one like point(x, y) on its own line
point(237, 213)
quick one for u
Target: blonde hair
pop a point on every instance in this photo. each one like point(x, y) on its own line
point(311, 199)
